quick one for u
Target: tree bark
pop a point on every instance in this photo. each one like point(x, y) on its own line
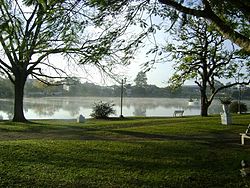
point(19, 84)
point(204, 109)
point(204, 103)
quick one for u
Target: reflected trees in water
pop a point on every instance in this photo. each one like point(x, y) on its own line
point(71, 107)
point(140, 110)
point(6, 106)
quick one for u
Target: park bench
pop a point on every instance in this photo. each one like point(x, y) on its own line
point(178, 112)
point(245, 135)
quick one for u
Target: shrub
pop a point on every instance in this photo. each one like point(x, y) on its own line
point(226, 100)
point(234, 107)
point(102, 110)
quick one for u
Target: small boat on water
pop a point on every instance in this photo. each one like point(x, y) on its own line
point(193, 102)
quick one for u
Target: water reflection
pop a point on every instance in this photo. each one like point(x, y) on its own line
point(7, 107)
point(71, 107)
point(140, 110)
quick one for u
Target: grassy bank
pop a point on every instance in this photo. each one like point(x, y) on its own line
point(135, 152)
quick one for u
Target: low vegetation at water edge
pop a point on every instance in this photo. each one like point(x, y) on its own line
point(132, 152)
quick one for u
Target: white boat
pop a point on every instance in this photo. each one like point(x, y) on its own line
point(192, 102)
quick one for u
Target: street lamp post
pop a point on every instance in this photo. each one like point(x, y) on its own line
point(123, 82)
point(239, 100)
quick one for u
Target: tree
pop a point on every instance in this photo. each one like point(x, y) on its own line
point(31, 32)
point(201, 53)
point(140, 84)
point(141, 79)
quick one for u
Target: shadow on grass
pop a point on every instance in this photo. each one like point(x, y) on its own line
point(142, 164)
point(110, 130)
point(66, 154)
point(210, 139)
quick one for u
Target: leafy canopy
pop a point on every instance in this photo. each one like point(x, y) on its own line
point(230, 17)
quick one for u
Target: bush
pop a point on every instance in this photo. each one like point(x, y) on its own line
point(233, 108)
point(102, 110)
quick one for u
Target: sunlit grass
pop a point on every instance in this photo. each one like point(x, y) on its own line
point(134, 152)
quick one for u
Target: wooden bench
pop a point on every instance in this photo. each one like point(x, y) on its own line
point(178, 112)
point(245, 135)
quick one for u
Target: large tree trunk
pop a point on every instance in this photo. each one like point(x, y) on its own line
point(204, 104)
point(19, 83)
point(204, 109)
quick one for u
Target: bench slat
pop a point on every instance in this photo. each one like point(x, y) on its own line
point(243, 136)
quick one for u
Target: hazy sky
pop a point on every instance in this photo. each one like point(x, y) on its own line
point(158, 75)
point(161, 72)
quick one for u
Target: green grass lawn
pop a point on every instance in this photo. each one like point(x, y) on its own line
point(134, 152)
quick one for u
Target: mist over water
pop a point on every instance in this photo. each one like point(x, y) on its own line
point(71, 107)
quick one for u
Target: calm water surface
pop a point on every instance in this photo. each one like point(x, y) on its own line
point(71, 107)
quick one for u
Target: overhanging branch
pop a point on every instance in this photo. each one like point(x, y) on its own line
point(221, 25)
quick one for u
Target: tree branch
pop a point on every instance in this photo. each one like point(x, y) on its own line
point(221, 25)
point(228, 86)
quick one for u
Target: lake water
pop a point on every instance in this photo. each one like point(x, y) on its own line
point(71, 107)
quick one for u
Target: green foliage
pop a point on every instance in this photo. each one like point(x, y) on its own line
point(102, 110)
point(234, 107)
point(188, 59)
point(141, 79)
point(226, 100)
point(190, 54)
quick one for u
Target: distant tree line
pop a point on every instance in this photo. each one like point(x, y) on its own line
point(34, 88)
point(6, 89)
